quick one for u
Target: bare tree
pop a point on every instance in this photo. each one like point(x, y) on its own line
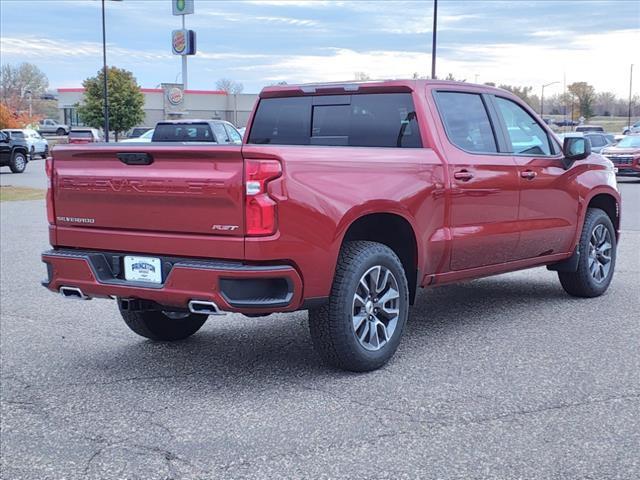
point(21, 83)
point(229, 86)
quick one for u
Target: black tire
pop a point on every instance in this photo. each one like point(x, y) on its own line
point(61, 132)
point(45, 154)
point(332, 326)
point(32, 153)
point(18, 162)
point(582, 282)
point(155, 325)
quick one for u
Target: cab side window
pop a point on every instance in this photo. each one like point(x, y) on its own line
point(220, 133)
point(233, 134)
point(466, 121)
point(526, 135)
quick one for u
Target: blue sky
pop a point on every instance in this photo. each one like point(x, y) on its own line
point(263, 42)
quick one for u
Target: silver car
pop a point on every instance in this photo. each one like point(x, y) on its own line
point(53, 127)
point(629, 129)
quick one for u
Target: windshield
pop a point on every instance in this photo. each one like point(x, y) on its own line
point(629, 142)
point(147, 134)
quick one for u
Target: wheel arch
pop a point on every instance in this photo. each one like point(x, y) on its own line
point(19, 149)
point(610, 203)
point(394, 230)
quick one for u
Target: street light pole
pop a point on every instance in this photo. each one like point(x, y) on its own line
point(433, 40)
point(630, 88)
point(104, 75)
point(542, 98)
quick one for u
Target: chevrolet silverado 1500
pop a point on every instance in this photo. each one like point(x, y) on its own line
point(343, 200)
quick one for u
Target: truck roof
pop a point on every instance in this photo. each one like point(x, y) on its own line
point(368, 86)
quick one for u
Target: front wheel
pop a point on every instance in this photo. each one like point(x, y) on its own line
point(597, 259)
point(163, 326)
point(18, 162)
point(360, 327)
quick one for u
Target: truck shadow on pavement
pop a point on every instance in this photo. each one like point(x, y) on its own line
point(238, 349)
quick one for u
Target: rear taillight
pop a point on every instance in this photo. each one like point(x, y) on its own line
point(260, 208)
point(48, 167)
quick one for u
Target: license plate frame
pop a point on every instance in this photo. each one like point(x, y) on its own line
point(143, 269)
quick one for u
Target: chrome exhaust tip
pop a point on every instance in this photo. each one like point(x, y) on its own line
point(204, 307)
point(73, 293)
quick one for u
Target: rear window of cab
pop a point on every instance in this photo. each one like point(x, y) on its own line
point(363, 120)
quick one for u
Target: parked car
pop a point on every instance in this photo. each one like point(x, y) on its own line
point(13, 152)
point(635, 128)
point(137, 132)
point(598, 140)
point(589, 128)
point(217, 131)
point(144, 138)
point(566, 123)
point(84, 135)
point(51, 126)
point(241, 131)
point(344, 200)
point(625, 155)
point(37, 145)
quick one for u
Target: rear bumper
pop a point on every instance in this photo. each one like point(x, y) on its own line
point(233, 286)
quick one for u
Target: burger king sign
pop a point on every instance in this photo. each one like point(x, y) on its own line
point(183, 42)
point(175, 95)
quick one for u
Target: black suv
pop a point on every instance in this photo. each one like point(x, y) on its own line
point(13, 153)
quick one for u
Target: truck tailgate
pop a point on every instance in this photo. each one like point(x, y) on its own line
point(177, 189)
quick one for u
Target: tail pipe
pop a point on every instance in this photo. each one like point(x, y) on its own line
point(74, 293)
point(204, 307)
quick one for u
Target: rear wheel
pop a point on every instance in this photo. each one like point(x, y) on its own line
point(597, 259)
point(359, 329)
point(163, 326)
point(60, 132)
point(45, 154)
point(18, 162)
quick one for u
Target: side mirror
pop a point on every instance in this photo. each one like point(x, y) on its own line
point(574, 149)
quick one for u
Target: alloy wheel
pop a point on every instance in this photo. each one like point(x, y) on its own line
point(376, 308)
point(600, 246)
point(20, 162)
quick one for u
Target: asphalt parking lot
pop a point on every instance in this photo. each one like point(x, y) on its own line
point(504, 377)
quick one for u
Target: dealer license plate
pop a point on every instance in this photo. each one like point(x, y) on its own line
point(142, 269)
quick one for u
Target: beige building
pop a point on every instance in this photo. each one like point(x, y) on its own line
point(171, 102)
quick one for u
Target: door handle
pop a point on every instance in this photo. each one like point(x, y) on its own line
point(528, 174)
point(463, 175)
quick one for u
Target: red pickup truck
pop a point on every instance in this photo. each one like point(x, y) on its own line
point(343, 199)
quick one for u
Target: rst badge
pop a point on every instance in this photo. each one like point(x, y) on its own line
point(225, 228)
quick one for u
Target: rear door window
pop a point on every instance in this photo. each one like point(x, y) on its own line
point(466, 121)
point(367, 120)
